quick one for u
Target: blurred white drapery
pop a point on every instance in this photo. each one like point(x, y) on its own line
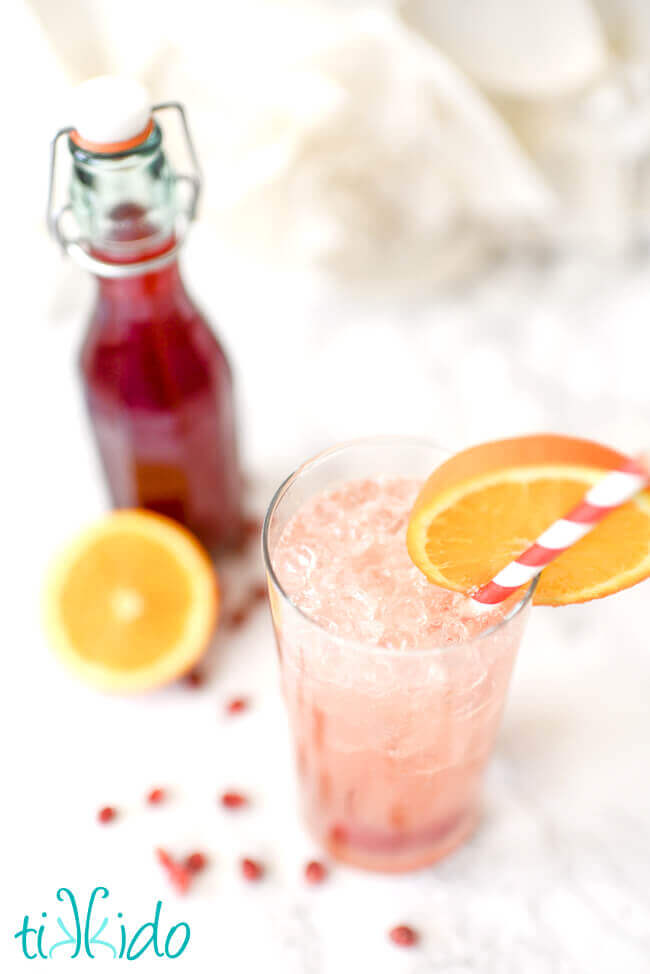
point(375, 137)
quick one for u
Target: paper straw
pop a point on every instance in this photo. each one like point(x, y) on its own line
point(614, 490)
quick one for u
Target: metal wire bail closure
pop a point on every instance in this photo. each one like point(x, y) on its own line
point(77, 247)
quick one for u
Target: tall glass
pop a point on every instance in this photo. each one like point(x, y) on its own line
point(391, 745)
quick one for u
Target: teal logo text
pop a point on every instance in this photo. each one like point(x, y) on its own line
point(93, 933)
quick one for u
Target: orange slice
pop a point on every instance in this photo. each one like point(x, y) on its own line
point(486, 505)
point(132, 602)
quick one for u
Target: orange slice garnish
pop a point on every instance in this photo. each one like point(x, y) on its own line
point(486, 505)
point(132, 602)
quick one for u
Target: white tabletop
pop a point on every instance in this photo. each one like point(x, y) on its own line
point(557, 879)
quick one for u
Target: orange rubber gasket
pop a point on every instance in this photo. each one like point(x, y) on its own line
point(109, 148)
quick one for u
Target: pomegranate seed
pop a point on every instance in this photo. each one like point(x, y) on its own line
point(179, 874)
point(403, 936)
point(237, 705)
point(195, 679)
point(180, 878)
point(251, 869)
point(233, 799)
point(237, 618)
point(195, 862)
point(164, 858)
point(156, 796)
point(259, 592)
point(106, 815)
point(250, 527)
point(315, 872)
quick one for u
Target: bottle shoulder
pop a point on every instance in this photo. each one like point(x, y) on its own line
point(153, 355)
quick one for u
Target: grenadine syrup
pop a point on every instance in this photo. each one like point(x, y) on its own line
point(159, 393)
point(157, 382)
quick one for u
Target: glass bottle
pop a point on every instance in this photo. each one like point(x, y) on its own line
point(157, 382)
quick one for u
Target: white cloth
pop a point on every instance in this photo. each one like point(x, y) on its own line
point(335, 134)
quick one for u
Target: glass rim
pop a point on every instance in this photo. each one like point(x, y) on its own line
point(318, 458)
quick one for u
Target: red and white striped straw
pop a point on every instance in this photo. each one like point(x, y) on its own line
point(615, 489)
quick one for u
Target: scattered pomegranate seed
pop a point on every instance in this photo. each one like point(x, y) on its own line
point(233, 799)
point(164, 858)
point(195, 679)
point(251, 526)
point(259, 592)
point(315, 872)
point(403, 936)
point(237, 618)
point(156, 796)
point(180, 877)
point(179, 874)
point(237, 705)
point(251, 869)
point(106, 815)
point(195, 862)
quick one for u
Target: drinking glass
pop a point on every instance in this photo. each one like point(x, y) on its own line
point(390, 745)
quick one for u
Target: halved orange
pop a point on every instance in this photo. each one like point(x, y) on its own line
point(486, 505)
point(132, 602)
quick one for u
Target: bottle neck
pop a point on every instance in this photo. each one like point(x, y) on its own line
point(124, 204)
point(146, 290)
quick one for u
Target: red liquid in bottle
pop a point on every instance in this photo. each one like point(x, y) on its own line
point(159, 393)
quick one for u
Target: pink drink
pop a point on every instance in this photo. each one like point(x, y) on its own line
point(394, 687)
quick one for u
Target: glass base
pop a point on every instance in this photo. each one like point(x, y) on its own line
point(394, 852)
